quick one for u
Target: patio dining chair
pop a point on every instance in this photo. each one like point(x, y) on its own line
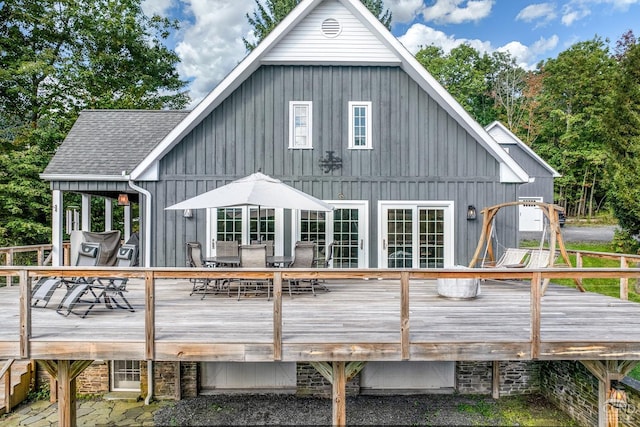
point(195, 259)
point(303, 257)
point(251, 256)
point(88, 256)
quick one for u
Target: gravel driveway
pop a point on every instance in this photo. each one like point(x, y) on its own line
point(433, 409)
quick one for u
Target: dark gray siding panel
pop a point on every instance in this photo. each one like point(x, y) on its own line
point(91, 186)
point(542, 186)
point(419, 152)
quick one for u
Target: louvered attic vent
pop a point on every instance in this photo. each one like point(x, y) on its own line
point(331, 27)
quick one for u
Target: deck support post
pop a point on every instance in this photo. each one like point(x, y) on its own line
point(65, 373)
point(607, 371)
point(339, 398)
point(495, 379)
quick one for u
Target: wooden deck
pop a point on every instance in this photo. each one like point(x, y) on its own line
point(358, 320)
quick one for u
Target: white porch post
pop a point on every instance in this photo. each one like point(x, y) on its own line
point(57, 252)
point(86, 213)
point(108, 214)
point(127, 222)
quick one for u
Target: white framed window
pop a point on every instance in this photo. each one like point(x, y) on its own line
point(360, 125)
point(300, 124)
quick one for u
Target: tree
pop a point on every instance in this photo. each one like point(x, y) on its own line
point(508, 84)
point(623, 163)
point(59, 57)
point(466, 75)
point(571, 109)
point(268, 15)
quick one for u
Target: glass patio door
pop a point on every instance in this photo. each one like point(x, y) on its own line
point(245, 225)
point(345, 226)
point(416, 235)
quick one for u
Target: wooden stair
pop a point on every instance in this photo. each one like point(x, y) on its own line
point(22, 374)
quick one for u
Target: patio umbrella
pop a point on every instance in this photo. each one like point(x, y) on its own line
point(254, 190)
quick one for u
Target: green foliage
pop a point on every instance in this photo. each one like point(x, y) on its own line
point(623, 143)
point(59, 57)
point(270, 13)
point(42, 393)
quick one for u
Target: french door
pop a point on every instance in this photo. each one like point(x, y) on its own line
point(344, 228)
point(245, 225)
point(416, 234)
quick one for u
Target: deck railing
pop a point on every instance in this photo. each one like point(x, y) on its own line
point(150, 275)
point(35, 254)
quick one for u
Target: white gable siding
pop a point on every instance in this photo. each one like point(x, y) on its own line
point(501, 136)
point(355, 44)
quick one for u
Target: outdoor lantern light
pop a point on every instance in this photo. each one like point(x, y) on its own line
point(123, 199)
point(471, 212)
point(617, 396)
point(188, 213)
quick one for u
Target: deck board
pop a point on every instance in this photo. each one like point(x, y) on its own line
point(356, 320)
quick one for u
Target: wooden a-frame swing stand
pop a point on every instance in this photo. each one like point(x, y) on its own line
point(485, 244)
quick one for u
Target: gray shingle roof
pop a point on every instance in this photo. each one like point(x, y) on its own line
point(107, 142)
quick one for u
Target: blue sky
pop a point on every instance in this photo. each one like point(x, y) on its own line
point(209, 42)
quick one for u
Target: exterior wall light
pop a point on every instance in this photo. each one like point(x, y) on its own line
point(471, 213)
point(123, 199)
point(188, 213)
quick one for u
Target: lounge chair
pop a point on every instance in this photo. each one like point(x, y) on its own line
point(43, 290)
point(107, 289)
point(114, 288)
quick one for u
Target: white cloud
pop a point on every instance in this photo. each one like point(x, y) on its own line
point(157, 7)
point(576, 10)
point(543, 12)
point(211, 45)
point(419, 35)
point(457, 11)
point(404, 10)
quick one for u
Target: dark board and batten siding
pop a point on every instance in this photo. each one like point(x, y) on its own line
point(419, 152)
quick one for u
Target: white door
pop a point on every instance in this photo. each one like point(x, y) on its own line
point(531, 216)
point(416, 234)
point(248, 376)
point(346, 226)
point(406, 377)
point(241, 224)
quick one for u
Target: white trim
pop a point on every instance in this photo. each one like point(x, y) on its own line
point(510, 171)
point(368, 123)
point(449, 223)
point(85, 223)
point(292, 125)
point(57, 220)
point(108, 214)
point(77, 177)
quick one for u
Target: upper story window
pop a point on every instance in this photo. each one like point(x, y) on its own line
point(300, 124)
point(360, 125)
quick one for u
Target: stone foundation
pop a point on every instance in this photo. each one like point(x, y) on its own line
point(309, 382)
point(515, 377)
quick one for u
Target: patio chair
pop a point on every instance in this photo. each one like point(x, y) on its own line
point(113, 288)
point(540, 258)
point(195, 259)
point(227, 248)
point(251, 256)
point(43, 290)
point(303, 257)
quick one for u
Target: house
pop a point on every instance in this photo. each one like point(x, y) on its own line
point(332, 104)
point(541, 176)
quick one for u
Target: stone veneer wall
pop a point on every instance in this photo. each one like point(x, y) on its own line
point(93, 380)
point(574, 389)
point(309, 382)
point(515, 377)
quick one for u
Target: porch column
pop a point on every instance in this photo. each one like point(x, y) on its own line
point(127, 222)
point(86, 213)
point(108, 214)
point(57, 251)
